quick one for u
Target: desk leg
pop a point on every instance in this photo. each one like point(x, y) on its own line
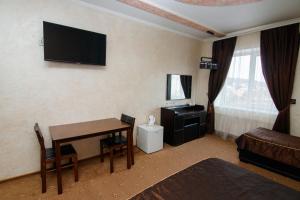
point(128, 148)
point(58, 167)
point(131, 147)
point(53, 144)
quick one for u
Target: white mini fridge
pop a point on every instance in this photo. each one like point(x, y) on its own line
point(150, 138)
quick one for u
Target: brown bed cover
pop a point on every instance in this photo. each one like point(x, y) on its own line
point(215, 179)
point(271, 144)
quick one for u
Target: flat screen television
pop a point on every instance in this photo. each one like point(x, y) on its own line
point(72, 45)
point(179, 86)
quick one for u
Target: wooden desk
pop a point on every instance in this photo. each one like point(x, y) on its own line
point(70, 132)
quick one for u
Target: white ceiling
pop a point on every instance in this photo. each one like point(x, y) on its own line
point(225, 19)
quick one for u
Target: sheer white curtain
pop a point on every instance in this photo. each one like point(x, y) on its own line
point(244, 102)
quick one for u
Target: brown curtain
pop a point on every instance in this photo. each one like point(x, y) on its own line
point(222, 54)
point(186, 83)
point(279, 52)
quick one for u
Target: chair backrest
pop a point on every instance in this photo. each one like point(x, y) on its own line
point(40, 137)
point(127, 119)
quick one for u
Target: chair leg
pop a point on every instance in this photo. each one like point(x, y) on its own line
point(75, 162)
point(111, 157)
point(101, 152)
point(132, 157)
point(43, 176)
point(132, 152)
point(121, 151)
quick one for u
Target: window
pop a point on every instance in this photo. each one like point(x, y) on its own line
point(245, 87)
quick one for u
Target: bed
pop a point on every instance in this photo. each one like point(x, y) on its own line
point(272, 150)
point(215, 179)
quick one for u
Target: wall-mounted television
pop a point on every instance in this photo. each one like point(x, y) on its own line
point(72, 45)
point(179, 86)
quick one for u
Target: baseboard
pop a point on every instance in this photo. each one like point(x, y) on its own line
point(17, 177)
point(225, 136)
point(36, 172)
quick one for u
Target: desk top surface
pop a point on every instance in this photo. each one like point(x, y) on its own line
point(86, 129)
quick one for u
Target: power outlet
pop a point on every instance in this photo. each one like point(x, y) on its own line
point(41, 42)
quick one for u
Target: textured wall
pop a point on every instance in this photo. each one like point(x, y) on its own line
point(32, 90)
point(203, 75)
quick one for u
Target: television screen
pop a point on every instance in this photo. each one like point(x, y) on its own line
point(67, 44)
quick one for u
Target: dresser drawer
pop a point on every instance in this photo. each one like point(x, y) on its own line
point(178, 137)
point(178, 123)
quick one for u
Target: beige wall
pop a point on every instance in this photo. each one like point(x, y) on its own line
point(203, 75)
point(206, 50)
point(134, 81)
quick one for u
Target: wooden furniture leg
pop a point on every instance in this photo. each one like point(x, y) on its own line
point(128, 149)
point(121, 151)
point(58, 168)
point(53, 146)
point(43, 176)
point(111, 158)
point(75, 162)
point(131, 147)
point(101, 152)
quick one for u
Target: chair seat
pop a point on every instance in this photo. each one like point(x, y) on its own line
point(66, 151)
point(117, 140)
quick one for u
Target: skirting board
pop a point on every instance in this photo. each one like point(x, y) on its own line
point(36, 172)
point(225, 136)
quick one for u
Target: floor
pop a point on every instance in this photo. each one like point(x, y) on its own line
point(95, 181)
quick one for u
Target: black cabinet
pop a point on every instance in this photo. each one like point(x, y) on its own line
point(183, 123)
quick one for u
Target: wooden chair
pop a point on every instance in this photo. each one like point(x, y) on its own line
point(48, 156)
point(116, 142)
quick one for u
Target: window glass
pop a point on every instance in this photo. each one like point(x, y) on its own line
point(239, 72)
point(245, 87)
point(258, 71)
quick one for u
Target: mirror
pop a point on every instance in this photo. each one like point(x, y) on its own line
point(179, 86)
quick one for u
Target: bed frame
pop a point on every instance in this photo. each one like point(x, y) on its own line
point(269, 164)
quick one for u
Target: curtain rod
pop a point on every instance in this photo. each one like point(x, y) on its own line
point(255, 29)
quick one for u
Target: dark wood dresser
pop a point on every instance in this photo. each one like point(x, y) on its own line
point(183, 123)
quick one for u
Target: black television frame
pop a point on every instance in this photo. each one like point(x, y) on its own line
point(70, 61)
